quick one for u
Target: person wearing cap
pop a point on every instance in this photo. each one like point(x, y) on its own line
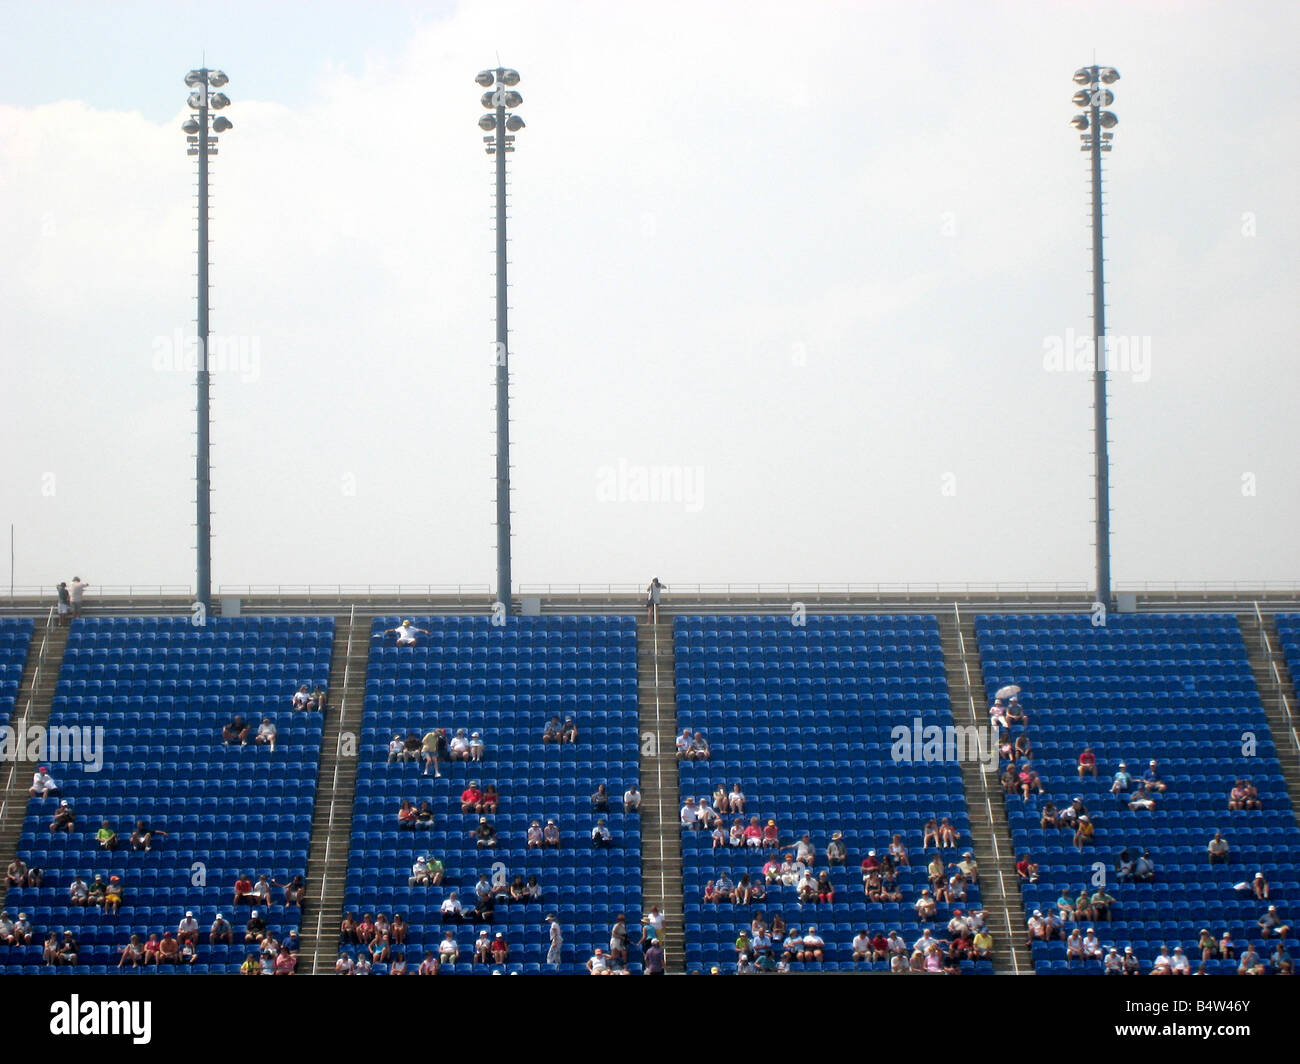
point(551, 836)
point(982, 944)
point(1151, 777)
point(69, 950)
point(169, 950)
point(187, 930)
point(555, 934)
point(221, 933)
point(1037, 928)
point(569, 731)
point(266, 733)
point(406, 633)
point(1179, 964)
point(1142, 797)
point(499, 949)
point(64, 818)
point(1085, 833)
point(78, 891)
point(485, 834)
point(460, 746)
point(1259, 887)
point(43, 785)
point(477, 748)
point(471, 798)
point(483, 947)
point(65, 602)
point(301, 699)
point(1113, 964)
point(1132, 965)
point(255, 929)
point(6, 928)
point(1144, 868)
point(1091, 945)
point(1271, 924)
point(598, 965)
point(1122, 780)
point(396, 748)
point(600, 836)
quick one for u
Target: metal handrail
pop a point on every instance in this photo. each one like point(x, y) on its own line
point(1271, 655)
point(21, 728)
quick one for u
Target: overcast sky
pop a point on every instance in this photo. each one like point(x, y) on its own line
point(796, 272)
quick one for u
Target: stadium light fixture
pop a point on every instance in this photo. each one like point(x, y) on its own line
point(1090, 126)
point(202, 143)
point(500, 128)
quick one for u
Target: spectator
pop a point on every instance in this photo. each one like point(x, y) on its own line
point(1121, 781)
point(169, 950)
point(430, 965)
point(477, 748)
point(1144, 869)
point(1271, 924)
point(653, 593)
point(411, 748)
point(632, 799)
point(705, 814)
point(43, 785)
point(550, 836)
point(1101, 903)
point(460, 746)
point(244, 892)
point(836, 853)
point(262, 891)
point(78, 891)
point(406, 634)
point(500, 949)
point(16, 873)
point(969, 867)
point(517, 891)
point(255, 929)
point(485, 834)
point(143, 836)
point(77, 593)
point(925, 907)
point(65, 607)
point(1250, 962)
point(569, 732)
point(618, 942)
point(1091, 945)
point(1084, 834)
point(1218, 849)
point(64, 818)
point(1252, 796)
point(948, 833)
point(113, 895)
point(221, 933)
point(361, 966)
point(597, 965)
point(1142, 797)
point(600, 836)
point(1087, 763)
point(654, 959)
point(930, 834)
point(1259, 887)
point(982, 943)
point(471, 798)
point(699, 748)
point(106, 836)
point(898, 852)
point(319, 699)
point(399, 929)
point(998, 714)
point(285, 962)
point(554, 952)
point(483, 948)
point(551, 733)
point(772, 839)
point(813, 947)
point(534, 837)
point(736, 799)
point(132, 954)
point(188, 929)
point(452, 911)
point(491, 799)
point(1180, 964)
point(301, 698)
point(1151, 778)
point(235, 732)
point(396, 750)
point(690, 814)
point(266, 733)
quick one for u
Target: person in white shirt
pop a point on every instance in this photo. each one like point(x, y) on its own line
point(598, 965)
point(813, 946)
point(361, 967)
point(406, 633)
point(1114, 963)
point(862, 946)
point(632, 799)
point(477, 748)
point(554, 952)
point(43, 785)
point(1091, 945)
point(448, 949)
point(923, 943)
point(736, 799)
point(1163, 964)
point(684, 742)
point(451, 909)
point(690, 815)
point(301, 698)
point(460, 746)
point(1180, 964)
point(419, 876)
point(395, 748)
point(600, 836)
point(652, 599)
point(343, 966)
point(266, 733)
point(77, 591)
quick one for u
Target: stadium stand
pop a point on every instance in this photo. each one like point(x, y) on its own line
point(1171, 687)
point(161, 689)
point(506, 682)
point(801, 716)
point(15, 640)
point(1288, 630)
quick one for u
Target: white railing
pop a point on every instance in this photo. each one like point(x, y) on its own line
point(1279, 684)
point(20, 727)
point(334, 787)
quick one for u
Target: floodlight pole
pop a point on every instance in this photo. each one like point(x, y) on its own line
point(1099, 364)
point(502, 363)
point(203, 467)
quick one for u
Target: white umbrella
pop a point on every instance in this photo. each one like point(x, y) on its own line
point(1008, 691)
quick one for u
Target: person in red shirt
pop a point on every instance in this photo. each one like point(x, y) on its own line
point(879, 947)
point(406, 815)
point(771, 837)
point(151, 950)
point(1087, 763)
point(471, 799)
point(244, 892)
point(500, 950)
point(753, 833)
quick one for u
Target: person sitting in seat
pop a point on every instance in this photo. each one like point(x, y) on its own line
point(235, 732)
point(632, 799)
point(471, 798)
point(1143, 797)
point(221, 933)
point(1087, 763)
point(64, 818)
point(460, 746)
point(836, 852)
point(491, 799)
point(485, 834)
point(534, 837)
point(255, 929)
point(551, 733)
point(569, 732)
point(1151, 777)
point(78, 891)
point(600, 835)
point(700, 748)
point(949, 836)
point(550, 836)
point(1050, 818)
point(1122, 780)
point(244, 892)
point(106, 836)
point(406, 815)
point(142, 838)
point(930, 834)
point(1084, 833)
point(302, 698)
point(477, 748)
point(43, 785)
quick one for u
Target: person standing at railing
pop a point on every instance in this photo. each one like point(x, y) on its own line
point(65, 602)
point(652, 599)
point(77, 592)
